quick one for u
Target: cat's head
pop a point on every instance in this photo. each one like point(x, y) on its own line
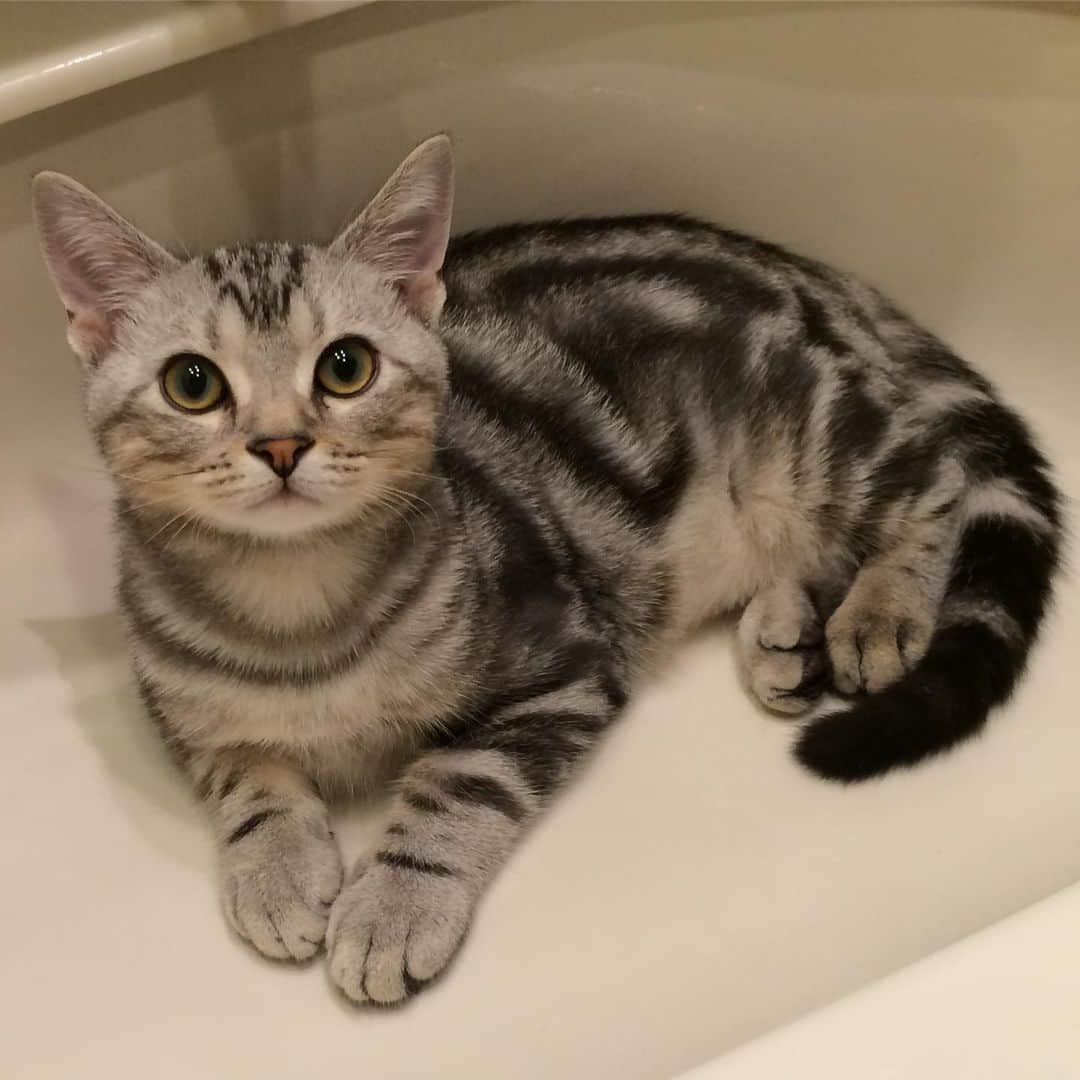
point(266, 390)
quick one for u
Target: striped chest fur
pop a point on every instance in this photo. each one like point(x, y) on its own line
point(332, 652)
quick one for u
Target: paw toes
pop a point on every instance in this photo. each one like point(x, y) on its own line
point(283, 928)
point(786, 703)
point(880, 664)
point(873, 655)
point(384, 972)
point(256, 925)
point(780, 642)
point(913, 639)
point(788, 681)
point(302, 931)
point(782, 671)
point(272, 901)
point(880, 631)
point(387, 940)
point(845, 657)
point(431, 947)
point(348, 955)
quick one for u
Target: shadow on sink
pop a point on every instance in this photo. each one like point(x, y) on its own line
point(92, 658)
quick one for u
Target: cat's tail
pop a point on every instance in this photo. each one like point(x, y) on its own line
point(997, 594)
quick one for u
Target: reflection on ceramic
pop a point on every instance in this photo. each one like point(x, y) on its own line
point(54, 52)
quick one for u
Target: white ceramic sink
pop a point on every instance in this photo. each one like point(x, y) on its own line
point(695, 891)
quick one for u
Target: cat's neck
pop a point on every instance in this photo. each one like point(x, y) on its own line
point(293, 586)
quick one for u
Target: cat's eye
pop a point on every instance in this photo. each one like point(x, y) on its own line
point(193, 383)
point(345, 367)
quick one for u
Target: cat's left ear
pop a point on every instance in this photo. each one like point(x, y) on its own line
point(97, 260)
point(404, 230)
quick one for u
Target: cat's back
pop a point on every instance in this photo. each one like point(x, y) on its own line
point(663, 267)
point(664, 305)
point(618, 310)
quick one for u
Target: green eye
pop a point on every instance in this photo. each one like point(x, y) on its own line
point(193, 383)
point(345, 367)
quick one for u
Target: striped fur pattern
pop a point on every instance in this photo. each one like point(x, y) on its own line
point(585, 438)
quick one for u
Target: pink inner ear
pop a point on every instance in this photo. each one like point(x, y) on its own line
point(426, 247)
point(89, 334)
point(97, 260)
point(424, 294)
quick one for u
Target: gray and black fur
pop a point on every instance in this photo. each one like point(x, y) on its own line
point(585, 438)
point(831, 351)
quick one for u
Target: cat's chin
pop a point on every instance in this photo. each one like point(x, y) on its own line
point(285, 517)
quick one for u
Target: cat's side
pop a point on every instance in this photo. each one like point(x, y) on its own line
point(376, 512)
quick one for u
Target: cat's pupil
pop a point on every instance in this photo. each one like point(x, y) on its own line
point(344, 366)
point(194, 380)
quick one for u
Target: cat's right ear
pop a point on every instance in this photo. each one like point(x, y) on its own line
point(97, 260)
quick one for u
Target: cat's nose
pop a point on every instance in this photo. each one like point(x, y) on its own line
point(281, 452)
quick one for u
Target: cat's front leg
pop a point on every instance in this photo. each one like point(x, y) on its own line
point(279, 865)
point(456, 817)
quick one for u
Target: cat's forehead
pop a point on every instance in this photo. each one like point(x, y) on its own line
point(286, 295)
point(260, 279)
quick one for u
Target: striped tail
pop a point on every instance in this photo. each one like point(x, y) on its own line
point(997, 595)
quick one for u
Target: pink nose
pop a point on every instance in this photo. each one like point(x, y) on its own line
point(281, 453)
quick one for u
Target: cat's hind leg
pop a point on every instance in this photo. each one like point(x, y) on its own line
point(781, 648)
point(882, 629)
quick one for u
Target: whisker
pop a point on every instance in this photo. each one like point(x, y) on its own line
point(414, 509)
point(412, 499)
point(421, 475)
point(403, 517)
point(144, 505)
point(158, 532)
point(391, 499)
point(398, 471)
point(183, 525)
point(151, 479)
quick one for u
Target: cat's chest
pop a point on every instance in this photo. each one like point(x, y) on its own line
point(288, 594)
point(361, 705)
point(289, 654)
point(371, 703)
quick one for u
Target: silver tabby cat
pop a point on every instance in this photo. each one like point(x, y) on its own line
point(403, 504)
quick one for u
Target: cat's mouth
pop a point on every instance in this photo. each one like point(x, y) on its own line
point(286, 496)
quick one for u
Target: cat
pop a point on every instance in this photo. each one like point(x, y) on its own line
point(402, 503)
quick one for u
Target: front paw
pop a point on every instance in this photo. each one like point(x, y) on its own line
point(278, 881)
point(395, 927)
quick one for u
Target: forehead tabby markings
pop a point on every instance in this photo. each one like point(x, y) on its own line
point(260, 278)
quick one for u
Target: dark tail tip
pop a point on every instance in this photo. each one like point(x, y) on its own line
point(944, 700)
point(889, 731)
